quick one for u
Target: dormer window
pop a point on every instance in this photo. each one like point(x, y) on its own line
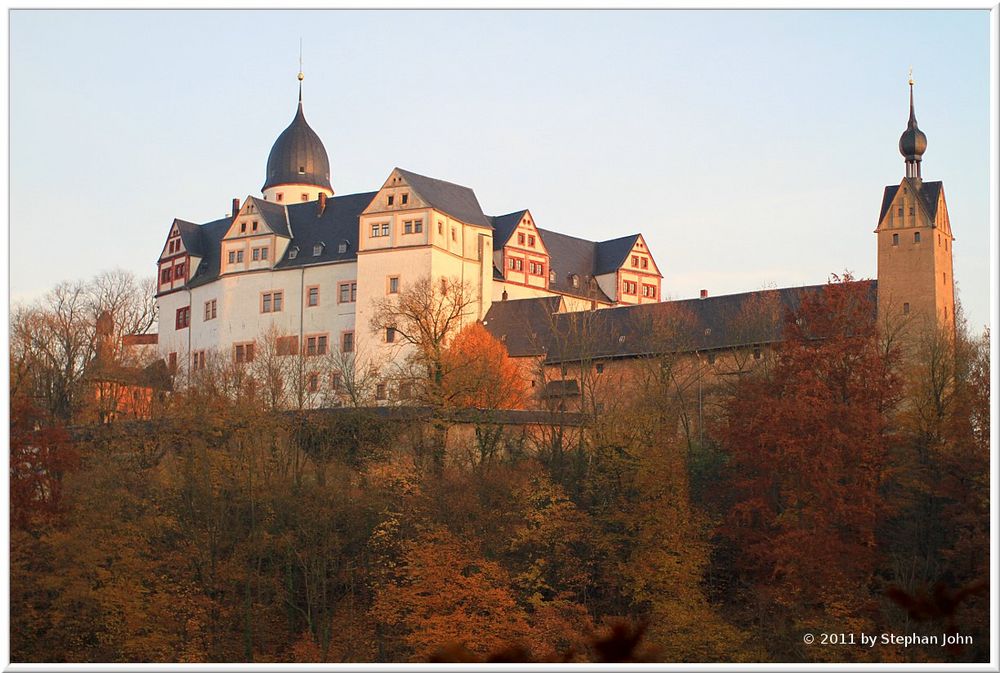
point(342, 247)
point(302, 170)
point(318, 249)
point(293, 253)
point(574, 280)
point(552, 276)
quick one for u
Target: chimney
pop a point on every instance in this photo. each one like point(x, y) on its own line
point(236, 207)
point(322, 204)
point(704, 294)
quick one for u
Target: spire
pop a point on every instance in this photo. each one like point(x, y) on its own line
point(913, 142)
point(302, 77)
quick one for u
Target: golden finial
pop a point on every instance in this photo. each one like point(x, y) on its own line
point(911, 75)
point(301, 76)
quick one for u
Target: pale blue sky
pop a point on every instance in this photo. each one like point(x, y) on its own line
point(751, 148)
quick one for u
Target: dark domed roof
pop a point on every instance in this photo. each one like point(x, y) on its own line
point(298, 157)
point(913, 142)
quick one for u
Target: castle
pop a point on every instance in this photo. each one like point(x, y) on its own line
point(307, 266)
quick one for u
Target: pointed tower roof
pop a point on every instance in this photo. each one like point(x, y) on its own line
point(913, 142)
point(298, 156)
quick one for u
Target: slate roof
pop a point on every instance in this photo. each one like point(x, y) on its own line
point(302, 221)
point(504, 226)
point(714, 323)
point(458, 201)
point(569, 255)
point(610, 255)
point(516, 322)
point(927, 191)
point(337, 224)
point(190, 236)
point(274, 215)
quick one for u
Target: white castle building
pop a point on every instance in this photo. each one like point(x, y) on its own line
point(308, 265)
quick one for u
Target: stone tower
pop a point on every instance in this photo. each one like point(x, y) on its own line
point(915, 282)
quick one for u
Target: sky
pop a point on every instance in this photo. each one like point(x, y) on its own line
point(750, 148)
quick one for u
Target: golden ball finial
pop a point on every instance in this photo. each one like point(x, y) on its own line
point(911, 76)
point(301, 76)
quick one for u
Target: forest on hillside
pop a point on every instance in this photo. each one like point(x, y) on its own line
point(838, 486)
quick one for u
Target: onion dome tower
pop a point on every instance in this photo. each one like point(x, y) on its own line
point(298, 168)
point(913, 142)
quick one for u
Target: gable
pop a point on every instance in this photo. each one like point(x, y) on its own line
point(396, 193)
point(520, 224)
point(927, 199)
point(641, 250)
point(259, 217)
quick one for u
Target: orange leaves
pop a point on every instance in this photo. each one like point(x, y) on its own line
point(479, 374)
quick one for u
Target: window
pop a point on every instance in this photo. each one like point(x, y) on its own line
point(210, 310)
point(916, 237)
point(316, 344)
point(645, 263)
point(552, 276)
point(313, 383)
point(232, 257)
point(336, 380)
point(629, 287)
point(179, 271)
point(574, 280)
point(711, 358)
point(895, 239)
point(348, 292)
point(900, 211)
point(243, 227)
point(270, 302)
point(531, 241)
point(165, 276)
point(318, 249)
point(756, 353)
point(281, 196)
point(380, 388)
point(385, 228)
point(243, 353)
point(312, 295)
point(440, 228)
point(408, 227)
point(390, 335)
point(599, 368)
point(305, 197)
point(183, 317)
point(293, 253)
point(516, 264)
point(198, 360)
point(635, 260)
point(389, 199)
point(239, 256)
point(418, 226)
point(944, 279)
point(342, 247)
point(649, 291)
point(375, 231)
point(347, 342)
point(256, 254)
point(454, 234)
point(393, 285)
point(263, 253)
point(911, 210)
point(906, 308)
point(404, 198)
point(288, 345)
point(520, 239)
point(254, 227)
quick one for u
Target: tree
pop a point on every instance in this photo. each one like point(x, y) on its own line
point(808, 442)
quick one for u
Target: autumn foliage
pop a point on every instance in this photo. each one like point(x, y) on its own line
point(711, 512)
